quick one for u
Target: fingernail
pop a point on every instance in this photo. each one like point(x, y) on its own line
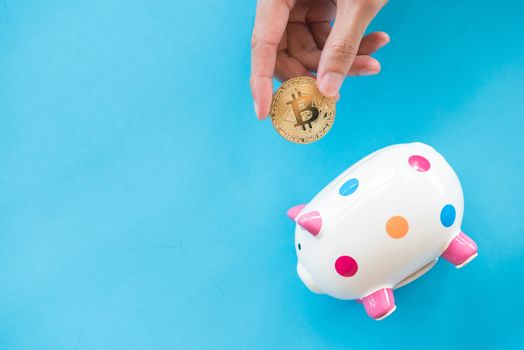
point(330, 83)
point(256, 109)
point(368, 72)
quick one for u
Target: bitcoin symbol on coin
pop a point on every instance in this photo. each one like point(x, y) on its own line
point(300, 113)
point(303, 104)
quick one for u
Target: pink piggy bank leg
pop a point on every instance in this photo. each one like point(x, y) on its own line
point(379, 304)
point(460, 251)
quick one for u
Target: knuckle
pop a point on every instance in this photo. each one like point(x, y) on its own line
point(289, 4)
point(261, 42)
point(343, 50)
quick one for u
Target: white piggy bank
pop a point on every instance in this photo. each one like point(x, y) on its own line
point(381, 224)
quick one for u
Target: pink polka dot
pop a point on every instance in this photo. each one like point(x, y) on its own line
point(419, 163)
point(346, 266)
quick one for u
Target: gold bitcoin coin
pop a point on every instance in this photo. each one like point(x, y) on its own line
point(300, 113)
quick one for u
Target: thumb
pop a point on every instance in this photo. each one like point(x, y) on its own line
point(351, 21)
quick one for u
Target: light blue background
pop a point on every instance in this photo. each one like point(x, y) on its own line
point(142, 204)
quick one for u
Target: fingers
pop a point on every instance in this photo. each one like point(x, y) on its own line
point(343, 42)
point(340, 44)
point(369, 44)
point(364, 65)
point(288, 67)
point(270, 23)
point(303, 49)
point(373, 42)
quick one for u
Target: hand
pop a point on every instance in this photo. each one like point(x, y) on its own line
point(294, 38)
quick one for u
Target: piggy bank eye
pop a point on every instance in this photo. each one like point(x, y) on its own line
point(299, 247)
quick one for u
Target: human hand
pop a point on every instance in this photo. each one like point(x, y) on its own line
point(294, 38)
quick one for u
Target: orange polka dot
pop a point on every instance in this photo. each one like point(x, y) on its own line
point(397, 227)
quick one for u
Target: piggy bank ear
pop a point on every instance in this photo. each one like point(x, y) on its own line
point(293, 212)
point(311, 222)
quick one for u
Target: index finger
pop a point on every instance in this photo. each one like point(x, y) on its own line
point(270, 24)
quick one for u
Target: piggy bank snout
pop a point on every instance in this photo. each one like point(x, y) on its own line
point(307, 279)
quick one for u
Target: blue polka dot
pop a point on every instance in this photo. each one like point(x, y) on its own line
point(348, 187)
point(448, 215)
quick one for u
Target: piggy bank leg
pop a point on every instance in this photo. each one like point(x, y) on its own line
point(460, 251)
point(379, 304)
